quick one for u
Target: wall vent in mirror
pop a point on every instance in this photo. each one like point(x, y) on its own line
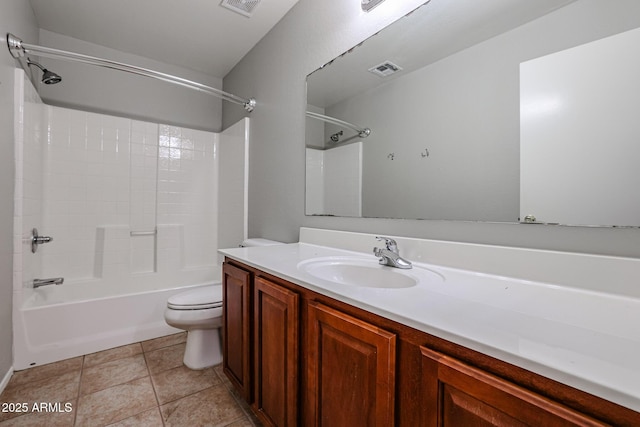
point(385, 69)
point(367, 5)
point(243, 7)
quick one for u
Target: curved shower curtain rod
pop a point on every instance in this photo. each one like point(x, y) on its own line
point(19, 49)
point(362, 132)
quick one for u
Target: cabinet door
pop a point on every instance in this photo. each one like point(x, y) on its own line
point(456, 394)
point(351, 370)
point(236, 325)
point(276, 353)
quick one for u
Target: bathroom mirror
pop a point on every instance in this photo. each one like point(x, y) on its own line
point(440, 90)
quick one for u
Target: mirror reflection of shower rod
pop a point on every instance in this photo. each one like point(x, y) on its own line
point(336, 136)
point(362, 132)
point(19, 49)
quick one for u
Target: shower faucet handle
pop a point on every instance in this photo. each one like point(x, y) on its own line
point(38, 240)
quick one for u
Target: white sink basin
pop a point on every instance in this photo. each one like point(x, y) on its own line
point(366, 272)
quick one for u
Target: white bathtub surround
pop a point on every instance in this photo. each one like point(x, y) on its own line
point(111, 181)
point(132, 208)
point(570, 317)
point(30, 134)
point(76, 319)
point(334, 180)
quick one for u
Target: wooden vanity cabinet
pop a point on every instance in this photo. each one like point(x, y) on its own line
point(276, 350)
point(236, 328)
point(351, 368)
point(457, 394)
point(305, 359)
point(260, 344)
point(350, 364)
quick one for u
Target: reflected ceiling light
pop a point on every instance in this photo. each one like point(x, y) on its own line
point(367, 5)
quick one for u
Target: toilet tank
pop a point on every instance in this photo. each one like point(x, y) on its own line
point(259, 242)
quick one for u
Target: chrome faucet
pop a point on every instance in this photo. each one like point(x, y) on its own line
point(389, 255)
point(44, 282)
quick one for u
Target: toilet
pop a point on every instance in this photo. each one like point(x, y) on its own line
point(199, 312)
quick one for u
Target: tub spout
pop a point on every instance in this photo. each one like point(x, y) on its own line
point(44, 282)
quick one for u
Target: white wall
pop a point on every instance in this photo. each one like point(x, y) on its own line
point(314, 32)
point(97, 89)
point(579, 134)
point(16, 16)
point(311, 34)
point(232, 192)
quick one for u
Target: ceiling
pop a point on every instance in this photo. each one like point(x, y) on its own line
point(197, 34)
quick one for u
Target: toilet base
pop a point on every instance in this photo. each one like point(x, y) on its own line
point(203, 349)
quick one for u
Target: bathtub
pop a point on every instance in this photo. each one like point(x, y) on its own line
point(82, 317)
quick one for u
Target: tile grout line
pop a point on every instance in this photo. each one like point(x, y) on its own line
point(115, 385)
point(75, 415)
point(155, 393)
point(214, 373)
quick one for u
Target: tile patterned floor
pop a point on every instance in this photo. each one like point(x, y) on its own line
point(142, 384)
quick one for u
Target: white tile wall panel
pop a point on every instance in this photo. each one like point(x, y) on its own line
point(89, 180)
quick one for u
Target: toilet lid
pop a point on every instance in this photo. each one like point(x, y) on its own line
point(197, 299)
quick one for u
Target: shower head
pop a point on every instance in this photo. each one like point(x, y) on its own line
point(48, 77)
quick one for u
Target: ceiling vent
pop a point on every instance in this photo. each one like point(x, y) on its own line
point(243, 7)
point(385, 69)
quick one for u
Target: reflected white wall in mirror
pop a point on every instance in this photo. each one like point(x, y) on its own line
point(580, 134)
point(334, 181)
point(458, 97)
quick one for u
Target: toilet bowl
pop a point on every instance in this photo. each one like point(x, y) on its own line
point(199, 312)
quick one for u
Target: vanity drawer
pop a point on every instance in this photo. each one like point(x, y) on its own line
point(457, 394)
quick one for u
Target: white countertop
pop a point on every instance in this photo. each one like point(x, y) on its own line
point(580, 337)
